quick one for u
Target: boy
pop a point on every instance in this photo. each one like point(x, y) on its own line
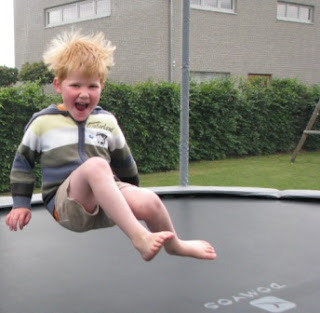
point(89, 177)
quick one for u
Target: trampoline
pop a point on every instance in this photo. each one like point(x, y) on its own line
point(268, 260)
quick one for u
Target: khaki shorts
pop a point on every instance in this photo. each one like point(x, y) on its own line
point(71, 215)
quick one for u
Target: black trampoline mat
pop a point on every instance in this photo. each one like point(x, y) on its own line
point(268, 261)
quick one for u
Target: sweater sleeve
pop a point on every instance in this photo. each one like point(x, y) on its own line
point(22, 177)
point(122, 161)
point(124, 166)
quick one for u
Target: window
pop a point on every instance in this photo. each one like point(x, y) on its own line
point(294, 12)
point(54, 16)
point(265, 79)
point(199, 77)
point(227, 6)
point(76, 12)
point(69, 13)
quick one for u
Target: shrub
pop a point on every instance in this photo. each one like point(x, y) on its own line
point(213, 120)
point(17, 104)
point(227, 118)
point(8, 76)
point(148, 114)
point(35, 72)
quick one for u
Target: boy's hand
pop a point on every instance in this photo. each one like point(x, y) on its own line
point(19, 216)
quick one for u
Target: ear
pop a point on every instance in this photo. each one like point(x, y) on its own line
point(57, 85)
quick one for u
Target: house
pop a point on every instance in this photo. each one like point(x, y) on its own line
point(268, 38)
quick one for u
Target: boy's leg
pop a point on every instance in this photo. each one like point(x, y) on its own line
point(147, 206)
point(93, 184)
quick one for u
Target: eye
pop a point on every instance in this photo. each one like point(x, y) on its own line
point(94, 86)
point(75, 85)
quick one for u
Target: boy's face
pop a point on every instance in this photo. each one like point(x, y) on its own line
point(80, 94)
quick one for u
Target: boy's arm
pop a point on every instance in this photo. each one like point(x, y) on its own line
point(22, 180)
point(122, 161)
point(124, 166)
point(18, 217)
point(22, 177)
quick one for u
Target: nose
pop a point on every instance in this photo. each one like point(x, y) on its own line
point(84, 94)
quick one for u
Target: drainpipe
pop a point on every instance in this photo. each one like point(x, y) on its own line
point(171, 41)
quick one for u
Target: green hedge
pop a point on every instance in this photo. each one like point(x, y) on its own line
point(17, 104)
point(232, 118)
point(148, 113)
point(213, 120)
point(227, 118)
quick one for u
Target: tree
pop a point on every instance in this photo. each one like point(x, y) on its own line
point(36, 72)
point(8, 76)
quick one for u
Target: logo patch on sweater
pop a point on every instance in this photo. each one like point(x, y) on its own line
point(101, 139)
point(98, 139)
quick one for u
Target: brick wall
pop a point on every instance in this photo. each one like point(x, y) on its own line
point(250, 41)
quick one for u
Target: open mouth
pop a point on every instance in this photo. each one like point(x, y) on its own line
point(81, 106)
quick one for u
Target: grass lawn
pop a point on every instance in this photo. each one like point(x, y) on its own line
point(274, 171)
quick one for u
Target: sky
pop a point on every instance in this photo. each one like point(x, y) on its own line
point(6, 33)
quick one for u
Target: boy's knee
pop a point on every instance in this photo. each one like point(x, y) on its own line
point(152, 201)
point(97, 164)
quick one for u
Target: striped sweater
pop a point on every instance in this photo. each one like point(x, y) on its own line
point(61, 144)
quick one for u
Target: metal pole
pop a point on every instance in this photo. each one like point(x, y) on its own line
point(184, 99)
point(170, 41)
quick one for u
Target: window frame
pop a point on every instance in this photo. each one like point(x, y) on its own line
point(297, 19)
point(63, 21)
point(202, 6)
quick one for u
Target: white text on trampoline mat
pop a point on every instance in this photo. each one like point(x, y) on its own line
point(250, 294)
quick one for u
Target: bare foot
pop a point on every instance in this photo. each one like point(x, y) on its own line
point(198, 249)
point(150, 244)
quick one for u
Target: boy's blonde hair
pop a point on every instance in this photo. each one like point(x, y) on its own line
point(72, 51)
